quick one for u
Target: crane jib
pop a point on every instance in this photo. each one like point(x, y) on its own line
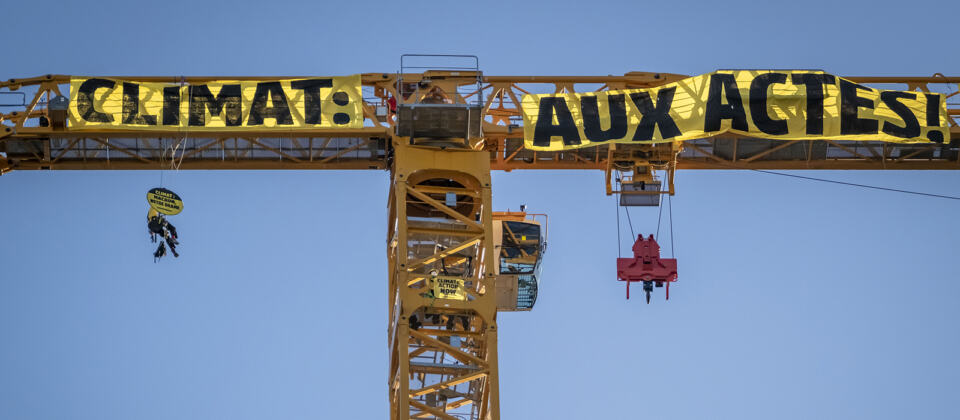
point(786, 105)
point(285, 104)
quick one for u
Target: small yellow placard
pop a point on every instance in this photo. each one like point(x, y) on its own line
point(449, 288)
point(165, 201)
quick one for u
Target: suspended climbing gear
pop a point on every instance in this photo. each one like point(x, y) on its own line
point(172, 242)
point(170, 228)
point(160, 252)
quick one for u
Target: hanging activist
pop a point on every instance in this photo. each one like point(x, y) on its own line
point(163, 203)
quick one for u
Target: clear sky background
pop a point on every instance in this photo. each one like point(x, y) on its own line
point(795, 300)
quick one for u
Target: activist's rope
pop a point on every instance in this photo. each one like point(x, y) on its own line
point(183, 129)
point(180, 144)
point(163, 153)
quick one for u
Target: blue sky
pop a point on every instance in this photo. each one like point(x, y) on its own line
point(795, 299)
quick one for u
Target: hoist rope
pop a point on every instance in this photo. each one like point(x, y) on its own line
point(629, 221)
point(616, 204)
point(659, 217)
point(673, 253)
point(670, 204)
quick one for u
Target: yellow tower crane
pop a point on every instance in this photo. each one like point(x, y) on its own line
point(453, 262)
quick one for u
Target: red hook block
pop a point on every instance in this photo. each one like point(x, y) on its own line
point(647, 267)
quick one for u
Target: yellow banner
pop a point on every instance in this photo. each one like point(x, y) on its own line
point(222, 105)
point(449, 288)
point(784, 105)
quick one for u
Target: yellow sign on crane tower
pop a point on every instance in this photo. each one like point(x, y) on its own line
point(447, 287)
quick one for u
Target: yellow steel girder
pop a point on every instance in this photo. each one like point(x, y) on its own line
point(29, 146)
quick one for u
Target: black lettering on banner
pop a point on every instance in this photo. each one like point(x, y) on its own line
point(311, 97)
point(814, 83)
point(85, 100)
point(655, 115)
point(759, 88)
point(717, 111)
point(131, 106)
point(933, 117)
point(565, 126)
point(342, 99)
point(591, 118)
point(850, 104)
point(280, 109)
point(911, 127)
point(171, 105)
point(227, 102)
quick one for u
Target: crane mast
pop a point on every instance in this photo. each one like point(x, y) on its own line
point(449, 267)
point(443, 351)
